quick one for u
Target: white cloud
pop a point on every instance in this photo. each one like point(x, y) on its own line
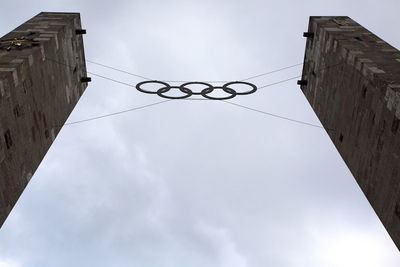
point(350, 247)
point(9, 263)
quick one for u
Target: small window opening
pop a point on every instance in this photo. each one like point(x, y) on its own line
point(364, 92)
point(397, 210)
point(46, 133)
point(25, 86)
point(341, 138)
point(358, 38)
point(17, 111)
point(7, 138)
point(395, 125)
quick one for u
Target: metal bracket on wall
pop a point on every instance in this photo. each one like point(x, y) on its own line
point(85, 79)
point(308, 34)
point(80, 31)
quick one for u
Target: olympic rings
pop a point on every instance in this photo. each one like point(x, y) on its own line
point(165, 87)
point(150, 92)
point(227, 90)
point(225, 87)
point(209, 86)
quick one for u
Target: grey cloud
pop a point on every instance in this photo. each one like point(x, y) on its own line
point(195, 183)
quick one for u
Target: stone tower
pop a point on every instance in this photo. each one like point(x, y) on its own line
point(42, 77)
point(351, 78)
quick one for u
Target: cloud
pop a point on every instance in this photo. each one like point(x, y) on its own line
point(195, 183)
point(221, 241)
point(7, 263)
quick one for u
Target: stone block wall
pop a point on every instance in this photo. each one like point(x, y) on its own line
point(353, 84)
point(41, 66)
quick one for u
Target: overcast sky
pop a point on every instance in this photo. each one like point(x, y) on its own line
point(196, 183)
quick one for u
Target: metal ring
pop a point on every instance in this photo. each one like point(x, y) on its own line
point(183, 87)
point(166, 85)
point(163, 90)
point(226, 86)
point(206, 91)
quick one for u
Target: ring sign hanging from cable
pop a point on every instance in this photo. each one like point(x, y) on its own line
point(164, 87)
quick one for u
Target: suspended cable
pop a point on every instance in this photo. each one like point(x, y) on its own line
point(235, 104)
point(130, 85)
point(256, 76)
point(282, 81)
point(110, 79)
point(299, 76)
point(267, 85)
point(117, 113)
point(92, 73)
point(228, 102)
point(273, 115)
point(176, 81)
point(183, 81)
point(123, 71)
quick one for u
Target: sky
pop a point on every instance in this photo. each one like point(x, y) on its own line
point(196, 183)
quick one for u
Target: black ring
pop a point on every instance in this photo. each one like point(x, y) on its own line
point(188, 92)
point(162, 90)
point(206, 91)
point(183, 87)
point(225, 87)
point(166, 85)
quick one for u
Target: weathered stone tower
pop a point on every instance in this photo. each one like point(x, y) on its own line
point(352, 80)
point(42, 76)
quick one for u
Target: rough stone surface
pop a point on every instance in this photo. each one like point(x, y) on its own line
point(39, 87)
point(353, 85)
